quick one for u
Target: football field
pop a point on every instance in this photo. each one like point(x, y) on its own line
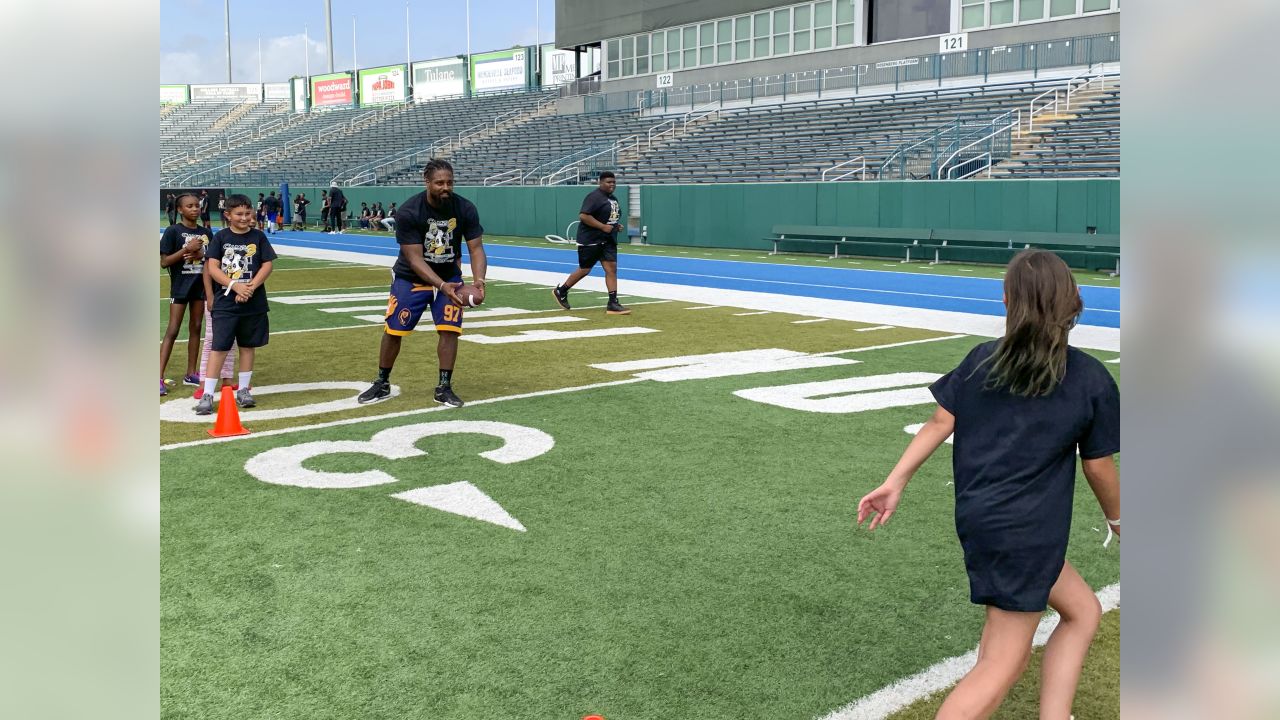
point(646, 516)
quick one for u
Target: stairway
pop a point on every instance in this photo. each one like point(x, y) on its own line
point(1046, 124)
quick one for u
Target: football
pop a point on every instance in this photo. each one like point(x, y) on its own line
point(470, 295)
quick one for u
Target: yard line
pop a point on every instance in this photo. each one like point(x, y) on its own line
point(942, 675)
point(877, 327)
point(524, 321)
point(703, 307)
point(403, 413)
point(1114, 361)
point(354, 308)
point(805, 322)
point(890, 345)
point(276, 293)
point(964, 270)
point(311, 330)
point(758, 312)
point(333, 298)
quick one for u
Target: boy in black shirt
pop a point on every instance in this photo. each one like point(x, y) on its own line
point(430, 227)
point(238, 261)
point(599, 222)
point(182, 251)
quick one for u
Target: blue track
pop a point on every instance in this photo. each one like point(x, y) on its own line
point(935, 292)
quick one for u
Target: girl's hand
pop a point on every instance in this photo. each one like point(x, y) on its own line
point(882, 502)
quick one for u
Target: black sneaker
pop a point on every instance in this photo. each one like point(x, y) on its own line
point(380, 390)
point(445, 396)
point(615, 308)
point(562, 297)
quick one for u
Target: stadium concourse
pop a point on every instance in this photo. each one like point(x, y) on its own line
point(650, 515)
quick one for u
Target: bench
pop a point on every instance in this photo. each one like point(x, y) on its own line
point(896, 238)
point(1006, 244)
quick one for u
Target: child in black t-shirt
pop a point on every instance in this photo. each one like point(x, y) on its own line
point(1021, 408)
point(238, 261)
point(182, 252)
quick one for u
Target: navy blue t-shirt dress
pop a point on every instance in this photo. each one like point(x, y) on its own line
point(1014, 461)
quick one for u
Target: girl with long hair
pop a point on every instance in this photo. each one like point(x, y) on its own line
point(1020, 408)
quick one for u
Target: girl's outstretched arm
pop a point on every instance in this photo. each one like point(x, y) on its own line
point(883, 501)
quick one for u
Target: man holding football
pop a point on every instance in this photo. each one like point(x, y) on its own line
point(430, 228)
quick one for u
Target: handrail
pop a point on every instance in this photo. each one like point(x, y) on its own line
point(990, 164)
point(236, 138)
point(330, 131)
point(550, 179)
point(296, 143)
point(238, 163)
point(690, 117)
point(1011, 126)
point(364, 116)
point(174, 159)
point(473, 130)
point(271, 152)
point(651, 134)
point(576, 165)
point(215, 146)
point(504, 116)
point(860, 169)
point(361, 179)
point(887, 161)
point(502, 178)
point(270, 126)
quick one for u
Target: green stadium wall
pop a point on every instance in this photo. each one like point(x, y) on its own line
point(741, 215)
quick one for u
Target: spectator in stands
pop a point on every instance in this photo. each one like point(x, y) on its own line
point(171, 209)
point(324, 210)
point(364, 216)
point(389, 221)
point(204, 208)
point(337, 207)
point(300, 211)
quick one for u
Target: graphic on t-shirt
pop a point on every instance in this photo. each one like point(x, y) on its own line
point(237, 262)
point(613, 212)
point(438, 246)
point(194, 266)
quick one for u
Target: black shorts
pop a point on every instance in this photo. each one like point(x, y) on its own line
point(589, 255)
point(192, 292)
point(248, 331)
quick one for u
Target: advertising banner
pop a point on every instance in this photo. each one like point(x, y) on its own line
point(331, 90)
point(241, 92)
point(174, 95)
point(300, 95)
point(503, 70)
point(439, 78)
point(275, 91)
point(383, 85)
point(557, 66)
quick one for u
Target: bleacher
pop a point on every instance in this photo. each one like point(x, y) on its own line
point(186, 127)
point(1084, 144)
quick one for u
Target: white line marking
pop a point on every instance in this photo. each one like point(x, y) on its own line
point(964, 270)
point(1114, 361)
point(703, 307)
point(403, 413)
point(332, 298)
point(732, 255)
point(547, 335)
point(310, 330)
point(877, 327)
point(522, 321)
point(759, 312)
point(942, 675)
point(1090, 337)
point(805, 322)
point(278, 293)
point(890, 345)
point(354, 308)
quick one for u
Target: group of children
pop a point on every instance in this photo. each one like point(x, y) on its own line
point(218, 280)
point(375, 217)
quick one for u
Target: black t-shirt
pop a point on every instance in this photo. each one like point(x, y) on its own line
point(603, 207)
point(337, 200)
point(300, 205)
point(1014, 457)
point(186, 273)
point(170, 205)
point(241, 257)
point(440, 232)
point(204, 204)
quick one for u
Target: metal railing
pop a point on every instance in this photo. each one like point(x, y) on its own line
point(270, 126)
point(298, 143)
point(1059, 98)
point(697, 114)
point(998, 146)
point(239, 138)
point(503, 178)
point(331, 131)
point(174, 160)
point(860, 169)
point(1033, 57)
point(208, 149)
point(656, 131)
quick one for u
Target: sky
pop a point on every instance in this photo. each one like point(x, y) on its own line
point(193, 45)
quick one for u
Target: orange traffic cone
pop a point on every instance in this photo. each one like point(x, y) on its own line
point(228, 422)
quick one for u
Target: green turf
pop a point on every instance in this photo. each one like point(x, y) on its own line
point(689, 553)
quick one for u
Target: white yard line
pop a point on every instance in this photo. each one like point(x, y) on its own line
point(942, 675)
point(703, 307)
point(404, 413)
point(890, 345)
point(806, 322)
point(876, 327)
point(1090, 337)
point(759, 312)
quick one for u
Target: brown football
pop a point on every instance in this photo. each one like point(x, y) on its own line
point(470, 295)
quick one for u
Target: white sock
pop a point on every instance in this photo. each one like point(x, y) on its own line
point(210, 384)
point(244, 379)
